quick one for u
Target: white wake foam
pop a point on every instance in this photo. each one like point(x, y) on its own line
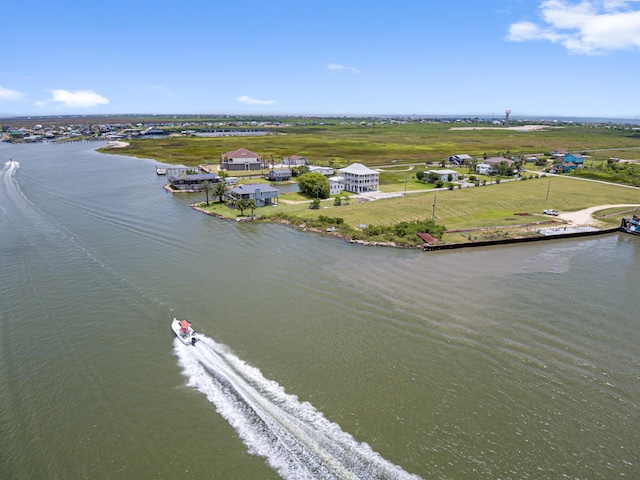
point(294, 437)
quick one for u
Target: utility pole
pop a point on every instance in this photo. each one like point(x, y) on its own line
point(433, 212)
point(548, 188)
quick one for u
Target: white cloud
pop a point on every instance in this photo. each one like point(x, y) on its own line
point(78, 98)
point(254, 101)
point(332, 67)
point(584, 27)
point(10, 95)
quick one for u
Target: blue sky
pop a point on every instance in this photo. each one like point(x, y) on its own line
point(466, 57)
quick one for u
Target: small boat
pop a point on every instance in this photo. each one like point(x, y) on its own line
point(184, 331)
point(631, 225)
point(161, 171)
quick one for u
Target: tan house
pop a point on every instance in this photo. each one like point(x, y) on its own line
point(241, 159)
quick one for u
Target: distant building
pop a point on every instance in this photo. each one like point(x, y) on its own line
point(326, 171)
point(280, 174)
point(294, 161)
point(443, 174)
point(241, 159)
point(460, 159)
point(575, 158)
point(336, 185)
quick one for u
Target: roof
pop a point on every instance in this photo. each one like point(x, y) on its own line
point(241, 153)
point(200, 177)
point(427, 238)
point(442, 171)
point(252, 187)
point(358, 169)
point(184, 324)
point(493, 160)
point(462, 156)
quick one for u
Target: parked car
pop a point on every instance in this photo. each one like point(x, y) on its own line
point(551, 211)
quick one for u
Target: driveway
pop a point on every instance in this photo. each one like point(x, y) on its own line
point(585, 217)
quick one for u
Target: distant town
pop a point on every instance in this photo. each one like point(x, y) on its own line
point(107, 128)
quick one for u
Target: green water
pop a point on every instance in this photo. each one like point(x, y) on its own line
point(320, 359)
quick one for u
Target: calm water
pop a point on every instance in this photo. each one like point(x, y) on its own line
point(321, 359)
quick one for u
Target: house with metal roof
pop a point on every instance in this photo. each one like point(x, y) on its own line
point(261, 193)
point(192, 182)
point(460, 159)
point(443, 174)
point(573, 158)
point(280, 174)
point(359, 178)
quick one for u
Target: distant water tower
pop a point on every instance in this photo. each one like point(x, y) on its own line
point(506, 117)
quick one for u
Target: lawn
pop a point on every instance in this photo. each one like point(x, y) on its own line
point(484, 206)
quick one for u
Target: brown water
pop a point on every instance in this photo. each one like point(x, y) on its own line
point(321, 359)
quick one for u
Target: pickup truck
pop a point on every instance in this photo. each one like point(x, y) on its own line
point(551, 211)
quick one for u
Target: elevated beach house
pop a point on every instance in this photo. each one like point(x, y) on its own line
point(261, 193)
point(191, 182)
point(280, 174)
point(358, 178)
point(241, 159)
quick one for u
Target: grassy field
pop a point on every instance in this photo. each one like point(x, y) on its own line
point(380, 144)
point(402, 150)
point(484, 206)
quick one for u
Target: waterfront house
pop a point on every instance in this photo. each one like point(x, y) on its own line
point(443, 174)
point(280, 174)
point(192, 182)
point(261, 193)
point(241, 159)
point(359, 178)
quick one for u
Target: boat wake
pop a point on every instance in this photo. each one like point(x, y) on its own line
point(295, 438)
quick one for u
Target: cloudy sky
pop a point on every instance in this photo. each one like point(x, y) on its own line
point(430, 57)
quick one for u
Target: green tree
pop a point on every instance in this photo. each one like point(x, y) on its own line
point(207, 187)
point(242, 205)
point(220, 190)
point(251, 205)
point(314, 185)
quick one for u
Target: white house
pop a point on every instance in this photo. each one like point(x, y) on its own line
point(359, 179)
point(241, 159)
point(484, 169)
point(443, 174)
point(336, 185)
point(294, 161)
point(326, 171)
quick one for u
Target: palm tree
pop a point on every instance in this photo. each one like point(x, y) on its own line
point(220, 190)
point(251, 205)
point(207, 187)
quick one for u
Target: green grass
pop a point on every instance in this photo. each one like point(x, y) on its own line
point(488, 206)
point(379, 144)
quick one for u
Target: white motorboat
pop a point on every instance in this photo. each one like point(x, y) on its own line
point(184, 331)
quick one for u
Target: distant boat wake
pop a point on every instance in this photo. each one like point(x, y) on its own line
point(296, 439)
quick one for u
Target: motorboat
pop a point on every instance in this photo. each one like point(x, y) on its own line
point(184, 331)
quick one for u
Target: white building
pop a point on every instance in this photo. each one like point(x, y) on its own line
point(326, 171)
point(336, 185)
point(484, 169)
point(359, 179)
point(443, 174)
